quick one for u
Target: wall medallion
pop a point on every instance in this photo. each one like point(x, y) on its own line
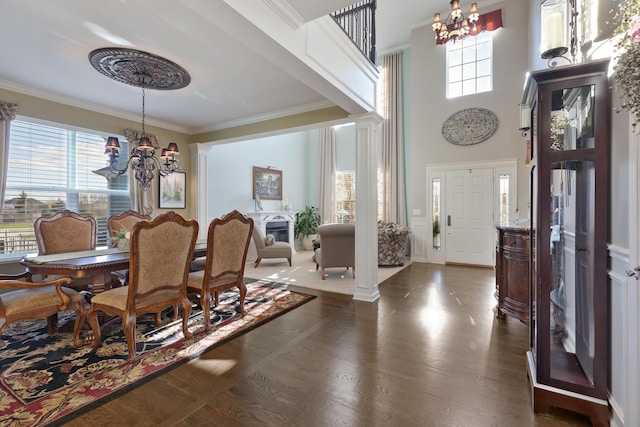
point(470, 126)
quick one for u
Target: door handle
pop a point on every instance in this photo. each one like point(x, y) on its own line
point(449, 220)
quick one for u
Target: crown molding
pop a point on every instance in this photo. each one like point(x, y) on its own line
point(286, 12)
point(73, 102)
point(300, 109)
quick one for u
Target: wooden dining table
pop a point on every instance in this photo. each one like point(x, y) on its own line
point(96, 265)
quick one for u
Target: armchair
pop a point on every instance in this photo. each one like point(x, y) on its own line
point(337, 247)
point(37, 300)
point(276, 250)
point(392, 243)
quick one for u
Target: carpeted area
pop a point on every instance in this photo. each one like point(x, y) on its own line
point(44, 379)
point(303, 273)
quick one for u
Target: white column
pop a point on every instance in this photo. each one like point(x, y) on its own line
point(198, 174)
point(367, 135)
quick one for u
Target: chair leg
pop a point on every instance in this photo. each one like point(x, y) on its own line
point(322, 272)
point(317, 266)
point(289, 259)
point(257, 263)
point(129, 327)
point(186, 312)
point(243, 293)
point(80, 316)
point(205, 302)
point(92, 320)
point(353, 271)
point(52, 323)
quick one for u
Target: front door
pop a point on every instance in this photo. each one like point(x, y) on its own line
point(469, 223)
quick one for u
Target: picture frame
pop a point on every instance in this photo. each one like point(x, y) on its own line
point(267, 183)
point(172, 191)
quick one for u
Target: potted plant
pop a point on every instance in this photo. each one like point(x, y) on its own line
point(306, 225)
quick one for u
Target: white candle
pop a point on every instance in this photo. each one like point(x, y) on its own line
point(553, 31)
point(525, 118)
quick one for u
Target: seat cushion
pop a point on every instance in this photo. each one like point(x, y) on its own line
point(29, 299)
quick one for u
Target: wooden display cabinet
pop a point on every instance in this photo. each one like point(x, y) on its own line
point(568, 360)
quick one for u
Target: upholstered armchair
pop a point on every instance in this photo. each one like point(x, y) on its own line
point(228, 241)
point(38, 300)
point(392, 243)
point(274, 250)
point(337, 247)
point(160, 253)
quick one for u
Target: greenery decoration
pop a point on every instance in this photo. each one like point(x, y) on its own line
point(628, 55)
point(306, 222)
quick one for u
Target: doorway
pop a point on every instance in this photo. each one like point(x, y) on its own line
point(465, 201)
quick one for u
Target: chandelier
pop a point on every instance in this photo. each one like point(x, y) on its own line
point(147, 71)
point(456, 26)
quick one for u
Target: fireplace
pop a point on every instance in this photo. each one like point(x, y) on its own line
point(279, 229)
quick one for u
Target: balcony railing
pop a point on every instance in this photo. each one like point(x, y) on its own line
point(359, 22)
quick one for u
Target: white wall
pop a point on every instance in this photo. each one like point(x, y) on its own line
point(429, 108)
point(229, 172)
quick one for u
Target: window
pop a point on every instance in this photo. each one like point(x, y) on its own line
point(435, 212)
point(52, 168)
point(504, 198)
point(470, 65)
point(346, 195)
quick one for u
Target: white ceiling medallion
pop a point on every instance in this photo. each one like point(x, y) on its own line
point(470, 126)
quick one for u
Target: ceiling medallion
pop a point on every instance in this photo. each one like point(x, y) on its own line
point(138, 68)
point(470, 126)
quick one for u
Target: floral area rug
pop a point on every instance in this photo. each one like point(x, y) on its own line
point(45, 379)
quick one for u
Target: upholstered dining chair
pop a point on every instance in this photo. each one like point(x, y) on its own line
point(160, 254)
point(65, 231)
point(38, 300)
point(124, 221)
point(274, 250)
point(227, 244)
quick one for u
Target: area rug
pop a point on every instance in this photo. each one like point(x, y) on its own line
point(45, 379)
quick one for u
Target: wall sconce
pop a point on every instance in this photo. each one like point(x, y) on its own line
point(558, 25)
point(525, 119)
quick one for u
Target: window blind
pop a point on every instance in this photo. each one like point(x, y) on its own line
point(52, 168)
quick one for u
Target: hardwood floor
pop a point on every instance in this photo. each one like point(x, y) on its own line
point(429, 352)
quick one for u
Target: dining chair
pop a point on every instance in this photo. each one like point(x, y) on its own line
point(160, 253)
point(38, 300)
point(65, 231)
point(124, 221)
point(115, 224)
point(227, 244)
point(274, 250)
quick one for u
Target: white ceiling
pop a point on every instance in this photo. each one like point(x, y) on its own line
point(46, 46)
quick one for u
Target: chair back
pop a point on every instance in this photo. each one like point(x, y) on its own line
point(126, 220)
point(65, 231)
point(338, 244)
point(227, 244)
point(258, 239)
point(160, 253)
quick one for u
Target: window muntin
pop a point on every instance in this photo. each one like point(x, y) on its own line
point(470, 65)
point(52, 168)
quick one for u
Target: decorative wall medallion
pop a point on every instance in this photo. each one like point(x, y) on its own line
point(470, 126)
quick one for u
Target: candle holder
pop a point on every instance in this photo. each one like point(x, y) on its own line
point(558, 25)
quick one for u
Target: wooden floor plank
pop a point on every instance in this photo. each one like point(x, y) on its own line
point(429, 352)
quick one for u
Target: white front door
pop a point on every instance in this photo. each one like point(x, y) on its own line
point(468, 220)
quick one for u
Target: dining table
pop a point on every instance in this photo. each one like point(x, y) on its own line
point(96, 265)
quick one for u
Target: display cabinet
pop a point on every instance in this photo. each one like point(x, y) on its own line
point(568, 356)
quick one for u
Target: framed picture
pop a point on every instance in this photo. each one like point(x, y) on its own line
point(172, 193)
point(267, 183)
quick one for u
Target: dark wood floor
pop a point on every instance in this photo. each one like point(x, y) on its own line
point(429, 352)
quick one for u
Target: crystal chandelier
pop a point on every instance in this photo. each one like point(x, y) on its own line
point(456, 26)
point(147, 71)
